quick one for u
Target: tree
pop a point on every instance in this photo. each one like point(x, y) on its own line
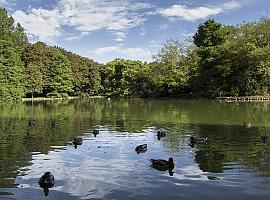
point(34, 79)
point(211, 76)
point(20, 38)
point(172, 68)
point(60, 77)
point(12, 73)
point(125, 78)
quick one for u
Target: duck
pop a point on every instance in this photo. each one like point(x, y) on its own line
point(194, 140)
point(141, 148)
point(163, 165)
point(77, 141)
point(46, 180)
point(1, 167)
point(95, 132)
point(246, 124)
point(161, 134)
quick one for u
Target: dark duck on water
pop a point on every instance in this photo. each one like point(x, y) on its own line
point(46, 181)
point(163, 165)
point(141, 148)
point(95, 132)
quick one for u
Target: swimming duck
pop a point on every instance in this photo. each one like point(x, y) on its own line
point(46, 180)
point(161, 134)
point(246, 124)
point(193, 140)
point(77, 141)
point(95, 132)
point(163, 165)
point(141, 148)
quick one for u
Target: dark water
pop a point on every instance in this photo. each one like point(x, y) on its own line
point(234, 164)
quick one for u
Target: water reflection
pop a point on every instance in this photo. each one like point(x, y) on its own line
point(107, 167)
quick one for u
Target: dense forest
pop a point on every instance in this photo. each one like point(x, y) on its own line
point(220, 60)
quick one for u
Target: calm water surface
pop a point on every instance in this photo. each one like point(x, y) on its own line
point(234, 164)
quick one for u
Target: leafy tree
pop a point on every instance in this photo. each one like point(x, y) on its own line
point(20, 38)
point(60, 77)
point(34, 79)
point(125, 78)
point(86, 74)
point(6, 22)
point(210, 78)
point(12, 72)
point(172, 68)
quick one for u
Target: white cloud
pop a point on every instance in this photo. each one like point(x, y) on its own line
point(191, 14)
point(3, 2)
point(40, 23)
point(135, 53)
point(231, 5)
point(76, 37)
point(106, 50)
point(116, 16)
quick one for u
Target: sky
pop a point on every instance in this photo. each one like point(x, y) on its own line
point(131, 29)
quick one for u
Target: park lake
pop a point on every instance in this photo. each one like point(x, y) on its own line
point(234, 164)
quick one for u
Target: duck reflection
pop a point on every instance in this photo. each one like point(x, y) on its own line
point(54, 123)
point(161, 134)
point(31, 122)
point(46, 181)
point(163, 165)
point(264, 138)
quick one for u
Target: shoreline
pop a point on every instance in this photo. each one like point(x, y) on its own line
point(243, 99)
point(221, 99)
point(57, 98)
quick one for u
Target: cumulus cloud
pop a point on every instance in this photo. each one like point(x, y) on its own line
point(116, 16)
point(191, 14)
point(125, 52)
point(40, 23)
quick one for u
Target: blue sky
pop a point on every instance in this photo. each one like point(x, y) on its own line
point(130, 29)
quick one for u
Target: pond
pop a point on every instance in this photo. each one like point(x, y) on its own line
point(36, 137)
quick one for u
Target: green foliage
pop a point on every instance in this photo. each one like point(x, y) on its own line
point(12, 72)
point(172, 69)
point(209, 34)
point(236, 64)
point(34, 79)
point(60, 77)
point(125, 78)
point(86, 74)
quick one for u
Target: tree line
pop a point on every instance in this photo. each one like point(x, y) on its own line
point(219, 60)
